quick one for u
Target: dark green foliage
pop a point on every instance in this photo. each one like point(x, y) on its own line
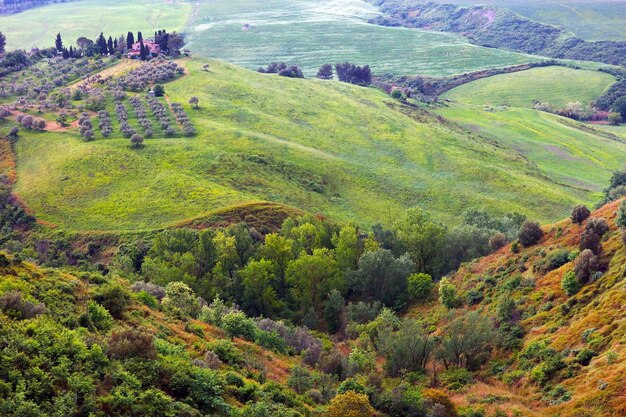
point(570, 283)
point(467, 341)
point(350, 73)
point(585, 265)
point(408, 349)
point(325, 72)
point(530, 233)
point(456, 378)
point(554, 260)
point(420, 286)
point(236, 324)
point(619, 106)
point(334, 311)
point(300, 379)
point(227, 352)
point(114, 297)
point(199, 387)
point(580, 214)
point(350, 385)
point(585, 356)
point(159, 90)
point(383, 277)
point(616, 188)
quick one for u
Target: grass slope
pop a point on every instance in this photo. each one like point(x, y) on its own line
point(591, 20)
point(310, 33)
point(344, 151)
point(554, 85)
point(559, 148)
point(548, 314)
point(39, 26)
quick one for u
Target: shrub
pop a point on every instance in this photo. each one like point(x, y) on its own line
point(154, 290)
point(599, 225)
point(131, 343)
point(13, 305)
point(515, 247)
point(497, 240)
point(270, 340)
point(570, 284)
point(447, 294)
point(580, 214)
point(437, 399)
point(530, 233)
point(201, 387)
point(350, 404)
point(555, 260)
point(590, 240)
point(226, 351)
point(300, 379)
point(585, 265)
point(237, 324)
point(181, 300)
point(98, 317)
point(114, 297)
point(620, 218)
point(456, 378)
point(585, 355)
point(350, 385)
point(136, 140)
point(420, 286)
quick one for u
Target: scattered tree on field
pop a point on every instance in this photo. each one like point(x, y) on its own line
point(136, 140)
point(194, 101)
point(580, 214)
point(325, 72)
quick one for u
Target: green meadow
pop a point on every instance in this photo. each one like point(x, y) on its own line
point(554, 85)
point(326, 147)
point(310, 33)
point(39, 26)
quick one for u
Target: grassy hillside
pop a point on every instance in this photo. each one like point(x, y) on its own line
point(311, 33)
point(557, 147)
point(344, 151)
point(39, 26)
point(555, 85)
point(587, 19)
point(590, 321)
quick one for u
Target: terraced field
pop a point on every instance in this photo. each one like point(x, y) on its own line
point(325, 147)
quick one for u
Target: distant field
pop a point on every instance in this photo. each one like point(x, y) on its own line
point(553, 146)
point(587, 19)
point(310, 33)
point(348, 152)
point(554, 85)
point(39, 26)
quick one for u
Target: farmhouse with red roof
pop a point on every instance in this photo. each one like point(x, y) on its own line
point(152, 49)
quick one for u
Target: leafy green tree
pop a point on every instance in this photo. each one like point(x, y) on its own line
point(420, 286)
point(467, 341)
point(347, 249)
point(619, 106)
point(300, 379)
point(312, 278)
point(3, 43)
point(259, 292)
point(408, 349)
point(279, 250)
point(325, 72)
point(181, 300)
point(194, 100)
point(334, 311)
point(423, 238)
point(159, 90)
point(383, 277)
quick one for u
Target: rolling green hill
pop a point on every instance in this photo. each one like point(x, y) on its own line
point(345, 151)
point(39, 26)
point(554, 85)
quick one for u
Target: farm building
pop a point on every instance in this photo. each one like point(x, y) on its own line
point(152, 49)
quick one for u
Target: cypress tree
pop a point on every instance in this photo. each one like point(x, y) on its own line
point(58, 43)
point(66, 53)
point(139, 37)
point(110, 46)
point(102, 44)
point(115, 44)
point(71, 52)
point(130, 40)
point(142, 51)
